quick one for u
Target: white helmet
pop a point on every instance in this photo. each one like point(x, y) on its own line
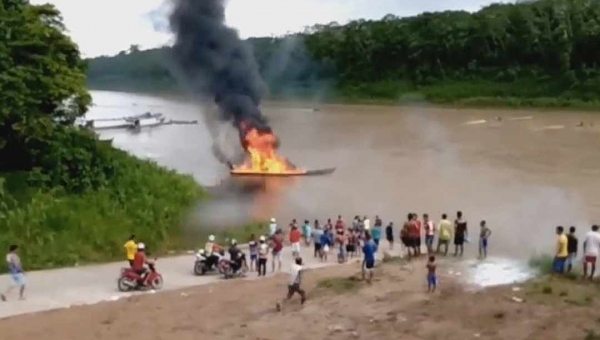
point(263, 238)
point(141, 246)
point(272, 219)
point(201, 251)
point(211, 238)
point(233, 242)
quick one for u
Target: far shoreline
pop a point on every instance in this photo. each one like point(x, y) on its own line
point(469, 104)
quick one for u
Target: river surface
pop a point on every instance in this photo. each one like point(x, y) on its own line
point(524, 175)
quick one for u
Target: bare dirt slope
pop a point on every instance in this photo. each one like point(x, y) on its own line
point(396, 306)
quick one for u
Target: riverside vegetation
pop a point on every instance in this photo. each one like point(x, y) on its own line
point(534, 53)
point(65, 196)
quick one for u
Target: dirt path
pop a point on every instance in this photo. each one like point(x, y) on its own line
point(52, 289)
point(339, 307)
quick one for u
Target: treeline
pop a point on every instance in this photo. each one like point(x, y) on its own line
point(65, 196)
point(531, 53)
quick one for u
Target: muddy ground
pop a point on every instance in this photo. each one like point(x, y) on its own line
point(395, 306)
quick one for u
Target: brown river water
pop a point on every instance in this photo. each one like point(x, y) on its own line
point(525, 174)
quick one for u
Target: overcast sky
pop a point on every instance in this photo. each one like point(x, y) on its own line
point(105, 27)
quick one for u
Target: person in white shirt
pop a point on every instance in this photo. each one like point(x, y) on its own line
point(272, 227)
point(591, 247)
point(366, 223)
point(294, 285)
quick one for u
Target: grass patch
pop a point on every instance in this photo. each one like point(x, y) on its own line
point(559, 290)
point(339, 284)
point(55, 229)
point(542, 263)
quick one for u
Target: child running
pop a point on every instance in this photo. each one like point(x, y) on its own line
point(431, 278)
point(295, 283)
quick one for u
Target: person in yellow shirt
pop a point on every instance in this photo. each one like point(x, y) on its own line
point(445, 230)
point(130, 249)
point(562, 251)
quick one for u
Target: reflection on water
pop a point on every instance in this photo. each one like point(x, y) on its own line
point(495, 271)
point(522, 174)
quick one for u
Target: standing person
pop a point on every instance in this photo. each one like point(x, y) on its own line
point(295, 283)
point(376, 232)
point(16, 273)
point(591, 247)
point(366, 224)
point(378, 222)
point(340, 226)
point(369, 250)
point(418, 233)
point(389, 235)
point(356, 223)
point(328, 225)
point(325, 244)
point(460, 234)
point(572, 245)
point(263, 253)
point(413, 234)
point(429, 232)
point(272, 227)
point(484, 236)
point(130, 249)
point(253, 249)
point(277, 245)
point(351, 243)
point(306, 231)
point(562, 251)
point(445, 234)
point(316, 237)
point(431, 277)
point(295, 237)
point(293, 224)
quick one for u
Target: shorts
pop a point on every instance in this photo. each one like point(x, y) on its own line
point(389, 238)
point(317, 246)
point(418, 242)
point(571, 259)
point(326, 248)
point(459, 240)
point(18, 279)
point(414, 242)
point(296, 247)
point(406, 241)
point(483, 243)
point(431, 280)
point(294, 288)
point(276, 255)
point(253, 257)
point(376, 240)
point(369, 264)
point(558, 266)
point(590, 259)
point(429, 240)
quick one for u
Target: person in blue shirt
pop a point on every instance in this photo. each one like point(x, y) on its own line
point(325, 244)
point(369, 250)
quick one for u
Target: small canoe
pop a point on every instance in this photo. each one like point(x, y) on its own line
point(314, 172)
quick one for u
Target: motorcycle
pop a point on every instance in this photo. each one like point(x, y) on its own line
point(203, 265)
point(227, 267)
point(130, 280)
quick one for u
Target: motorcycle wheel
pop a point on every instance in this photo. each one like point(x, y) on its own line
point(199, 268)
point(122, 285)
point(157, 283)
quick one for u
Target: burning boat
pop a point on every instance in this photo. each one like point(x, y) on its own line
point(262, 158)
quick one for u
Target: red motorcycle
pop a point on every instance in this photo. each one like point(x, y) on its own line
point(130, 280)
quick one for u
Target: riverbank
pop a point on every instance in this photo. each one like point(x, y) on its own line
point(339, 306)
point(57, 228)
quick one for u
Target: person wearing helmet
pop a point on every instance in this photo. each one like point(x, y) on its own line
point(209, 248)
point(272, 227)
point(140, 260)
point(236, 256)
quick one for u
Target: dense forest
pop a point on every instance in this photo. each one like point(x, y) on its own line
point(531, 53)
point(65, 196)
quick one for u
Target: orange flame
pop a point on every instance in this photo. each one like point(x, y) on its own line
point(262, 157)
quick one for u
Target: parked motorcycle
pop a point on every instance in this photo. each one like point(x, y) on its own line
point(130, 280)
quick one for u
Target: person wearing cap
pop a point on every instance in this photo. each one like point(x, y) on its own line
point(263, 253)
point(272, 227)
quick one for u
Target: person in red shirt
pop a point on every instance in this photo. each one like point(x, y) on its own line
point(277, 247)
point(140, 260)
point(295, 237)
point(339, 226)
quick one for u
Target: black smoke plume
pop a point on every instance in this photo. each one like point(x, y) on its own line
point(216, 64)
